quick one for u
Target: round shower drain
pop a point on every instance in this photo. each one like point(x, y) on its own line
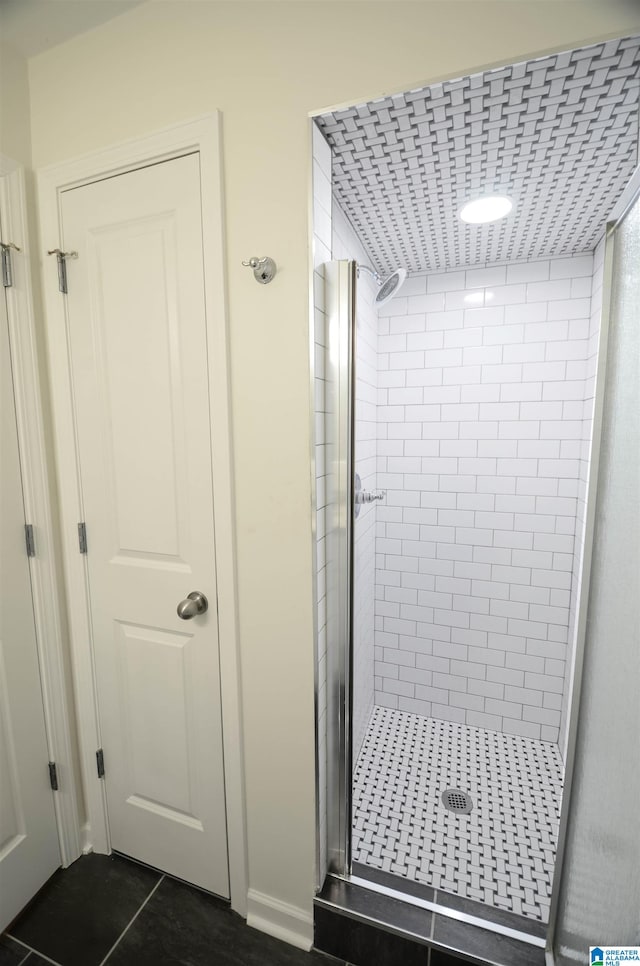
point(457, 801)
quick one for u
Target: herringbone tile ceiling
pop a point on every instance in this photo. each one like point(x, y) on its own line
point(559, 135)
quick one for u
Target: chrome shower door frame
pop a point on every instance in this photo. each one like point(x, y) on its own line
point(340, 288)
point(629, 197)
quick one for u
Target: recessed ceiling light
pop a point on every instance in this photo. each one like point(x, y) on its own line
point(489, 208)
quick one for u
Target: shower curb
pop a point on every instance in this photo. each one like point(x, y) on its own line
point(362, 927)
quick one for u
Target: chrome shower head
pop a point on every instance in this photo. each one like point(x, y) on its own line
point(390, 285)
point(387, 287)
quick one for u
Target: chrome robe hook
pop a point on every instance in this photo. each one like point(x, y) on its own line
point(264, 269)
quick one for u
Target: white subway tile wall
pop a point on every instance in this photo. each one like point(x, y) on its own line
point(481, 447)
point(322, 205)
point(346, 245)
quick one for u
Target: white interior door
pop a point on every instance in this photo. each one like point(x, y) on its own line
point(136, 315)
point(29, 850)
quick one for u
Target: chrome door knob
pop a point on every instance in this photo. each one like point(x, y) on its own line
point(195, 603)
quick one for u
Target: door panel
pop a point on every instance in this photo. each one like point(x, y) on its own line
point(139, 255)
point(152, 660)
point(139, 366)
point(29, 850)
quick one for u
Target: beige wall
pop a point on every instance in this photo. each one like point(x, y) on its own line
point(15, 132)
point(266, 65)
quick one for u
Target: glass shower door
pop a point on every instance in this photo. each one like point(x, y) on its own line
point(603, 826)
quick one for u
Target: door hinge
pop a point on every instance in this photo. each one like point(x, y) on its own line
point(100, 762)
point(62, 266)
point(53, 776)
point(5, 258)
point(28, 539)
point(82, 537)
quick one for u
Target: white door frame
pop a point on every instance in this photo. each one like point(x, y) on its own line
point(201, 135)
point(36, 488)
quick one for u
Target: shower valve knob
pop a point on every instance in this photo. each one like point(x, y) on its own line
point(367, 496)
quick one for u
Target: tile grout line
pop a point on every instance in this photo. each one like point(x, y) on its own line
point(27, 954)
point(30, 950)
point(23, 961)
point(131, 922)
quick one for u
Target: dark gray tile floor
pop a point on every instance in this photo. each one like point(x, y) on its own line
point(108, 910)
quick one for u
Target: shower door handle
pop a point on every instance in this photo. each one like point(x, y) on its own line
point(195, 604)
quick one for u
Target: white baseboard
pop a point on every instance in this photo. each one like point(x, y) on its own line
point(280, 919)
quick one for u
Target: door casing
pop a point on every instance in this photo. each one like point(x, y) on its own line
point(203, 136)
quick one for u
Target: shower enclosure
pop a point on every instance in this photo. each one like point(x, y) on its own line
point(453, 768)
point(451, 613)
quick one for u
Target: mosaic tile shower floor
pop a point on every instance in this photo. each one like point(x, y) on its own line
point(502, 853)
